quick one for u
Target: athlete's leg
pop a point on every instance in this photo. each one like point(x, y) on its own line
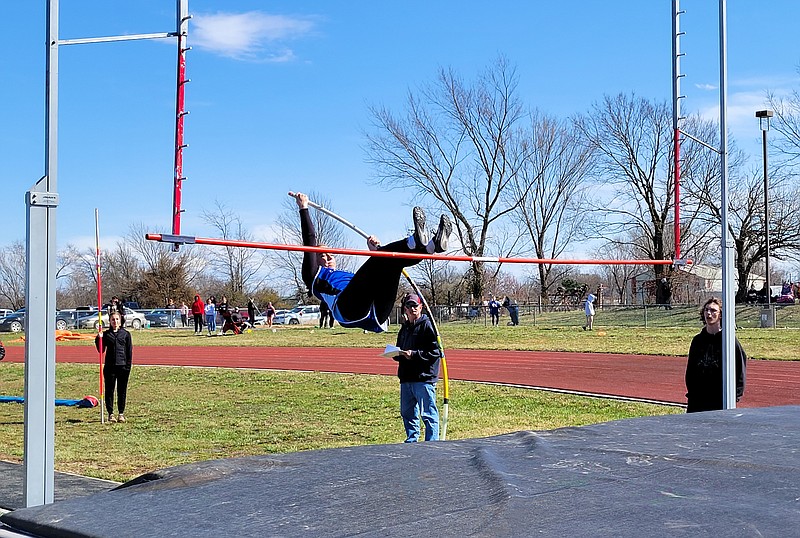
point(375, 282)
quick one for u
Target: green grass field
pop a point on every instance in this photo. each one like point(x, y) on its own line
point(181, 415)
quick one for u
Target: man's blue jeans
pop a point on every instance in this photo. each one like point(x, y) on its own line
point(414, 396)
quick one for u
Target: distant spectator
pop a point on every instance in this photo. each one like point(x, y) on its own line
point(115, 305)
point(2, 351)
point(184, 314)
point(494, 311)
point(198, 310)
point(513, 310)
point(664, 293)
point(269, 313)
point(171, 311)
point(233, 321)
point(589, 311)
point(704, 389)
point(211, 316)
point(325, 315)
point(251, 311)
point(223, 307)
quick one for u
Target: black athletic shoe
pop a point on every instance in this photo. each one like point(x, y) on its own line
point(420, 234)
point(442, 234)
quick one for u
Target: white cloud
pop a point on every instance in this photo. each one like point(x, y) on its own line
point(249, 36)
point(708, 87)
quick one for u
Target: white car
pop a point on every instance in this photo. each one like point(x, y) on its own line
point(298, 316)
point(261, 319)
point(133, 319)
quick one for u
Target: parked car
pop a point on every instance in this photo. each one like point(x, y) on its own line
point(68, 318)
point(298, 315)
point(15, 322)
point(261, 319)
point(5, 311)
point(133, 319)
point(160, 317)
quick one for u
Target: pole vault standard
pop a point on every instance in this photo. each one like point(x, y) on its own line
point(728, 248)
point(40, 274)
point(180, 112)
point(676, 117)
point(190, 240)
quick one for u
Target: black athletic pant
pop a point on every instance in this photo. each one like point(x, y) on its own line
point(375, 282)
point(198, 323)
point(116, 376)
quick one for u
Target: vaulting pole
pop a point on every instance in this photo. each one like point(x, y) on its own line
point(99, 313)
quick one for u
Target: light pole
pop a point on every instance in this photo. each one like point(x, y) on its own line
point(763, 123)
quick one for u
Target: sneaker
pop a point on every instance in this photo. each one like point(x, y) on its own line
point(121, 418)
point(112, 418)
point(442, 234)
point(420, 234)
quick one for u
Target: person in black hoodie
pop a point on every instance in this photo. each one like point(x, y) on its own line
point(704, 390)
point(418, 370)
point(117, 347)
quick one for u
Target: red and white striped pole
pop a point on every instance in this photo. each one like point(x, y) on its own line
point(99, 310)
point(185, 239)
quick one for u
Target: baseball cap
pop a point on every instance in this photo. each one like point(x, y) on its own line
point(411, 298)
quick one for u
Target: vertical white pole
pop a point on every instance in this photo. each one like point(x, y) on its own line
point(40, 298)
point(728, 253)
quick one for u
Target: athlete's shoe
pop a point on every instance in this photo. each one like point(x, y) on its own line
point(442, 234)
point(420, 234)
point(121, 418)
point(112, 418)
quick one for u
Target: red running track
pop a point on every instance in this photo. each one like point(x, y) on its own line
point(643, 377)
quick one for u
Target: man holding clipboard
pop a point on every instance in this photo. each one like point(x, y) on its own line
point(418, 356)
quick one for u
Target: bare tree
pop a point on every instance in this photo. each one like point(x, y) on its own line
point(12, 275)
point(241, 266)
point(786, 123)
point(456, 143)
point(746, 220)
point(551, 185)
point(618, 275)
point(13, 261)
point(149, 272)
point(632, 138)
point(438, 279)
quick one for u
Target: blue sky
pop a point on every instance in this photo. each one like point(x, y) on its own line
point(280, 93)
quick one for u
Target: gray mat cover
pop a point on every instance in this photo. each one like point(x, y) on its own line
point(726, 473)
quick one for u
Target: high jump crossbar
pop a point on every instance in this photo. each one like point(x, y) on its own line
point(190, 240)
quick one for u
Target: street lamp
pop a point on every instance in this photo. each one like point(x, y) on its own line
point(763, 123)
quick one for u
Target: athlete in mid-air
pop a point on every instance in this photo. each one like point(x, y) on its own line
point(364, 299)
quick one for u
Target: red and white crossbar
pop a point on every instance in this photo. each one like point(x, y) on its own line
point(189, 240)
